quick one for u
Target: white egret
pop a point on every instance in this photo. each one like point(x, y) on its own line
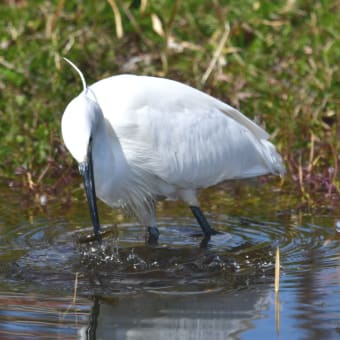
point(138, 139)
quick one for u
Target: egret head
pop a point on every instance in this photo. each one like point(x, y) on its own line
point(78, 127)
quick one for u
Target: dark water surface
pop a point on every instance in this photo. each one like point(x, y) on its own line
point(53, 286)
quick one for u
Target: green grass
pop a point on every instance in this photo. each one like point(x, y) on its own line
point(279, 65)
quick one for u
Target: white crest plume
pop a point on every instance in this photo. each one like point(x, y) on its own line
point(79, 72)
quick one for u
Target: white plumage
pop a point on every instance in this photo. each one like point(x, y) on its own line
point(154, 137)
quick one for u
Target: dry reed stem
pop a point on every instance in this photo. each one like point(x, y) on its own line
point(277, 313)
point(276, 288)
point(134, 23)
point(75, 289)
point(143, 5)
point(74, 300)
point(118, 19)
point(57, 14)
point(277, 270)
point(217, 54)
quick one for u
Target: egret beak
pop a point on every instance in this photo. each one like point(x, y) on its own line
point(86, 170)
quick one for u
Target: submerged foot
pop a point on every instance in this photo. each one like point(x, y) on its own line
point(202, 221)
point(153, 235)
point(206, 235)
point(204, 242)
point(214, 232)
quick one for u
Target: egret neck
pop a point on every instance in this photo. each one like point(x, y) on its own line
point(86, 170)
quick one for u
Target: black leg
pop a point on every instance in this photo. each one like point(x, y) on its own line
point(202, 221)
point(153, 235)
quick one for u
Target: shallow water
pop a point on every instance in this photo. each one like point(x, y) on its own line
point(53, 285)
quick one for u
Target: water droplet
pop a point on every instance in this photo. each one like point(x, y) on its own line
point(43, 200)
point(337, 226)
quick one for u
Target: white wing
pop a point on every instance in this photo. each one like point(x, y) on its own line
point(183, 136)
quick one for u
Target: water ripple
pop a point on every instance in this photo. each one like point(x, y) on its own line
point(243, 254)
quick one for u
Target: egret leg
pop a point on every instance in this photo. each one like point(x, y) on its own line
point(153, 235)
point(202, 221)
